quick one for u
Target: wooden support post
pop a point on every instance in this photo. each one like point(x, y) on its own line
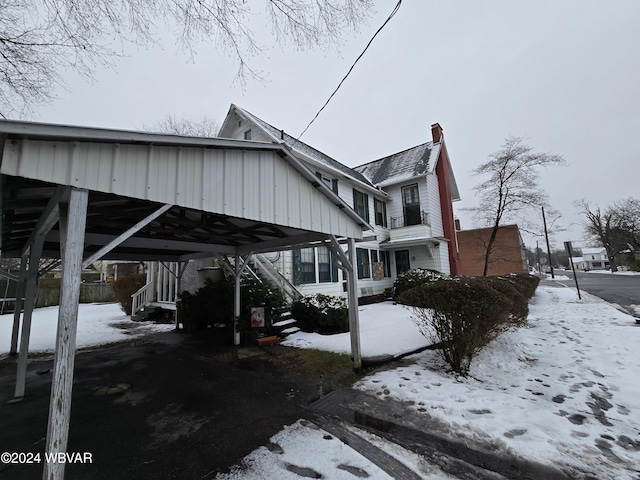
point(236, 299)
point(241, 262)
point(73, 231)
point(20, 289)
point(29, 303)
point(354, 319)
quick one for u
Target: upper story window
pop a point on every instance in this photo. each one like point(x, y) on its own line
point(380, 209)
point(361, 204)
point(411, 205)
point(247, 134)
point(332, 183)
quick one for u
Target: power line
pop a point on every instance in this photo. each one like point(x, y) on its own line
point(395, 10)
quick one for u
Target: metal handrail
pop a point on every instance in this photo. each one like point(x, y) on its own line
point(398, 222)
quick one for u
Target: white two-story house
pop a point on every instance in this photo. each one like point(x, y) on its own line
point(406, 198)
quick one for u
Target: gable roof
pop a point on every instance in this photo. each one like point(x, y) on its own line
point(401, 166)
point(415, 161)
point(280, 136)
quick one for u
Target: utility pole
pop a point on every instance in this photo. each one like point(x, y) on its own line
point(546, 236)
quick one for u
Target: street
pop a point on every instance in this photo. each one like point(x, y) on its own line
point(623, 290)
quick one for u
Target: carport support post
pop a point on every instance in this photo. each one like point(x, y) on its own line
point(29, 302)
point(352, 292)
point(22, 280)
point(72, 229)
point(240, 263)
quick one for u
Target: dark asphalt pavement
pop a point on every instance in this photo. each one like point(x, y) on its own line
point(623, 290)
point(191, 411)
point(177, 407)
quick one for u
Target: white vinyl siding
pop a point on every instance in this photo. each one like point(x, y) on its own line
point(435, 213)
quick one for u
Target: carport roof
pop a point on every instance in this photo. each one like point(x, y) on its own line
point(225, 196)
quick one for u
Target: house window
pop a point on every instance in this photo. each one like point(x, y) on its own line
point(326, 266)
point(380, 209)
point(364, 266)
point(332, 183)
point(247, 134)
point(304, 266)
point(385, 258)
point(402, 261)
point(411, 205)
point(361, 204)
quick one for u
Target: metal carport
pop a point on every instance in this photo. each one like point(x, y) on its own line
point(80, 194)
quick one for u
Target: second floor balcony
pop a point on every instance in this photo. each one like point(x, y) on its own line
point(408, 220)
point(410, 227)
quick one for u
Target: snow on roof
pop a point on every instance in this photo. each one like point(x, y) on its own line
point(592, 250)
point(301, 147)
point(403, 165)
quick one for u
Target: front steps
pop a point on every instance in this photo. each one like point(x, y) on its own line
point(155, 313)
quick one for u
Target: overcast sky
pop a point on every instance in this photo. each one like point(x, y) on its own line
point(563, 73)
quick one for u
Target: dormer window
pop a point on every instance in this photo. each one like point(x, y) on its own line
point(247, 134)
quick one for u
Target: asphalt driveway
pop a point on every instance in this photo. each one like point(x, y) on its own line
point(155, 409)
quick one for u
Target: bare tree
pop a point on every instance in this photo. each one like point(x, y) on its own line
point(41, 38)
point(616, 228)
point(511, 190)
point(202, 127)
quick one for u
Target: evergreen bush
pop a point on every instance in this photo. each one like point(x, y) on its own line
point(412, 278)
point(461, 315)
point(321, 313)
point(213, 304)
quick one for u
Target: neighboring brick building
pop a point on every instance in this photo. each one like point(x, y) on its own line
point(508, 251)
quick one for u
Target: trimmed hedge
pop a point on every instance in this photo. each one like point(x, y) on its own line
point(321, 313)
point(463, 314)
point(412, 278)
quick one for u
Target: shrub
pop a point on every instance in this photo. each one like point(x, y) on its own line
point(517, 302)
point(126, 286)
point(412, 278)
point(321, 313)
point(213, 303)
point(462, 315)
point(254, 293)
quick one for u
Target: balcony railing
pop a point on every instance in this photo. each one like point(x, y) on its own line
point(399, 222)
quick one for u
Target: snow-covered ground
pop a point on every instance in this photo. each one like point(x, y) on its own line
point(98, 324)
point(564, 390)
point(385, 329)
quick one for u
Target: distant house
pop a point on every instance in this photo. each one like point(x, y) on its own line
point(406, 198)
point(595, 258)
point(508, 255)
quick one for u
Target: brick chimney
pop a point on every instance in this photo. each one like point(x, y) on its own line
point(436, 132)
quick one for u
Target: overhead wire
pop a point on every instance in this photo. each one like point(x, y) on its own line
point(391, 15)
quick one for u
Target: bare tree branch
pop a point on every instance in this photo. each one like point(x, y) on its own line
point(203, 127)
point(39, 39)
point(511, 188)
